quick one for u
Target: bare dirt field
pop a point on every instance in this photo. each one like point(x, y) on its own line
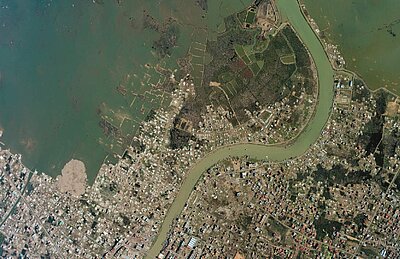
point(73, 178)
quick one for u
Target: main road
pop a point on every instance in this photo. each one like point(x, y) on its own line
point(290, 11)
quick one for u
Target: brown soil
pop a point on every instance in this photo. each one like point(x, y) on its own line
point(392, 109)
point(73, 178)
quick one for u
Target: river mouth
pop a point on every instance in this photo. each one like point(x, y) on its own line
point(289, 10)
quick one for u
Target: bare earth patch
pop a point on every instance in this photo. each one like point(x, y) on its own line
point(392, 109)
point(215, 84)
point(73, 178)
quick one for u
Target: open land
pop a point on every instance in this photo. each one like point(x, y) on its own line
point(73, 178)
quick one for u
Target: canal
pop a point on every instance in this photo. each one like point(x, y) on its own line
point(291, 12)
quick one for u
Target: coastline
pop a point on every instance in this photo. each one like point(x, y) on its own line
point(329, 42)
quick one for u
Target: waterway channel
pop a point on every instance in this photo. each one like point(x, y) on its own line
point(290, 11)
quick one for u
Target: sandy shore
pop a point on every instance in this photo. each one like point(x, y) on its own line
point(73, 178)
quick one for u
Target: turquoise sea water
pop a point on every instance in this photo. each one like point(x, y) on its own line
point(60, 65)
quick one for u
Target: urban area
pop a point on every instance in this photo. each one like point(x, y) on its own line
point(340, 199)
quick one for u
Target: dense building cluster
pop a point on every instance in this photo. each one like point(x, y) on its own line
point(335, 200)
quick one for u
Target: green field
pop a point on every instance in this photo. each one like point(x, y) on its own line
point(240, 50)
point(289, 59)
point(226, 77)
point(250, 17)
point(247, 54)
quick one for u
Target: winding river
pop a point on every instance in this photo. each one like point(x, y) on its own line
point(290, 11)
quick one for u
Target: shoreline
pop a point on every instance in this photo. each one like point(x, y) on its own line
point(328, 41)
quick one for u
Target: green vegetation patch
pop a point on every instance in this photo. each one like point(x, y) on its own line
point(283, 50)
point(245, 221)
point(196, 51)
point(221, 28)
point(250, 71)
point(373, 130)
point(326, 227)
point(260, 64)
point(248, 49)
point(276, 226)
point(370, 252)
point(228, 90)
point(265, 115)
point(239, 50)
point(234, 85)
point(207, 58)
point(339, 175)
point(289, 59)
point(167, 41)
point(199, 45)
point(255, 68)
point(250, 17)
point(252, 58)
point(246, 59)
point(197, 60)
point(226, 77)
point(242, 16)
point(197, 72)
point(261, 45)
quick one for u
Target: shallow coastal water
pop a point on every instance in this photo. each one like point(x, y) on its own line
point(59, 62)
point(62, 61)
point(368, 35)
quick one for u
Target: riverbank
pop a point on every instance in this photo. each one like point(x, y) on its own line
point(291, 11)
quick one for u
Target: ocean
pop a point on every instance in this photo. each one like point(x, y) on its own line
point(368, 35)
point(68, 68)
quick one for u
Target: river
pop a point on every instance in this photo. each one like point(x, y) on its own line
point(289, 10)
